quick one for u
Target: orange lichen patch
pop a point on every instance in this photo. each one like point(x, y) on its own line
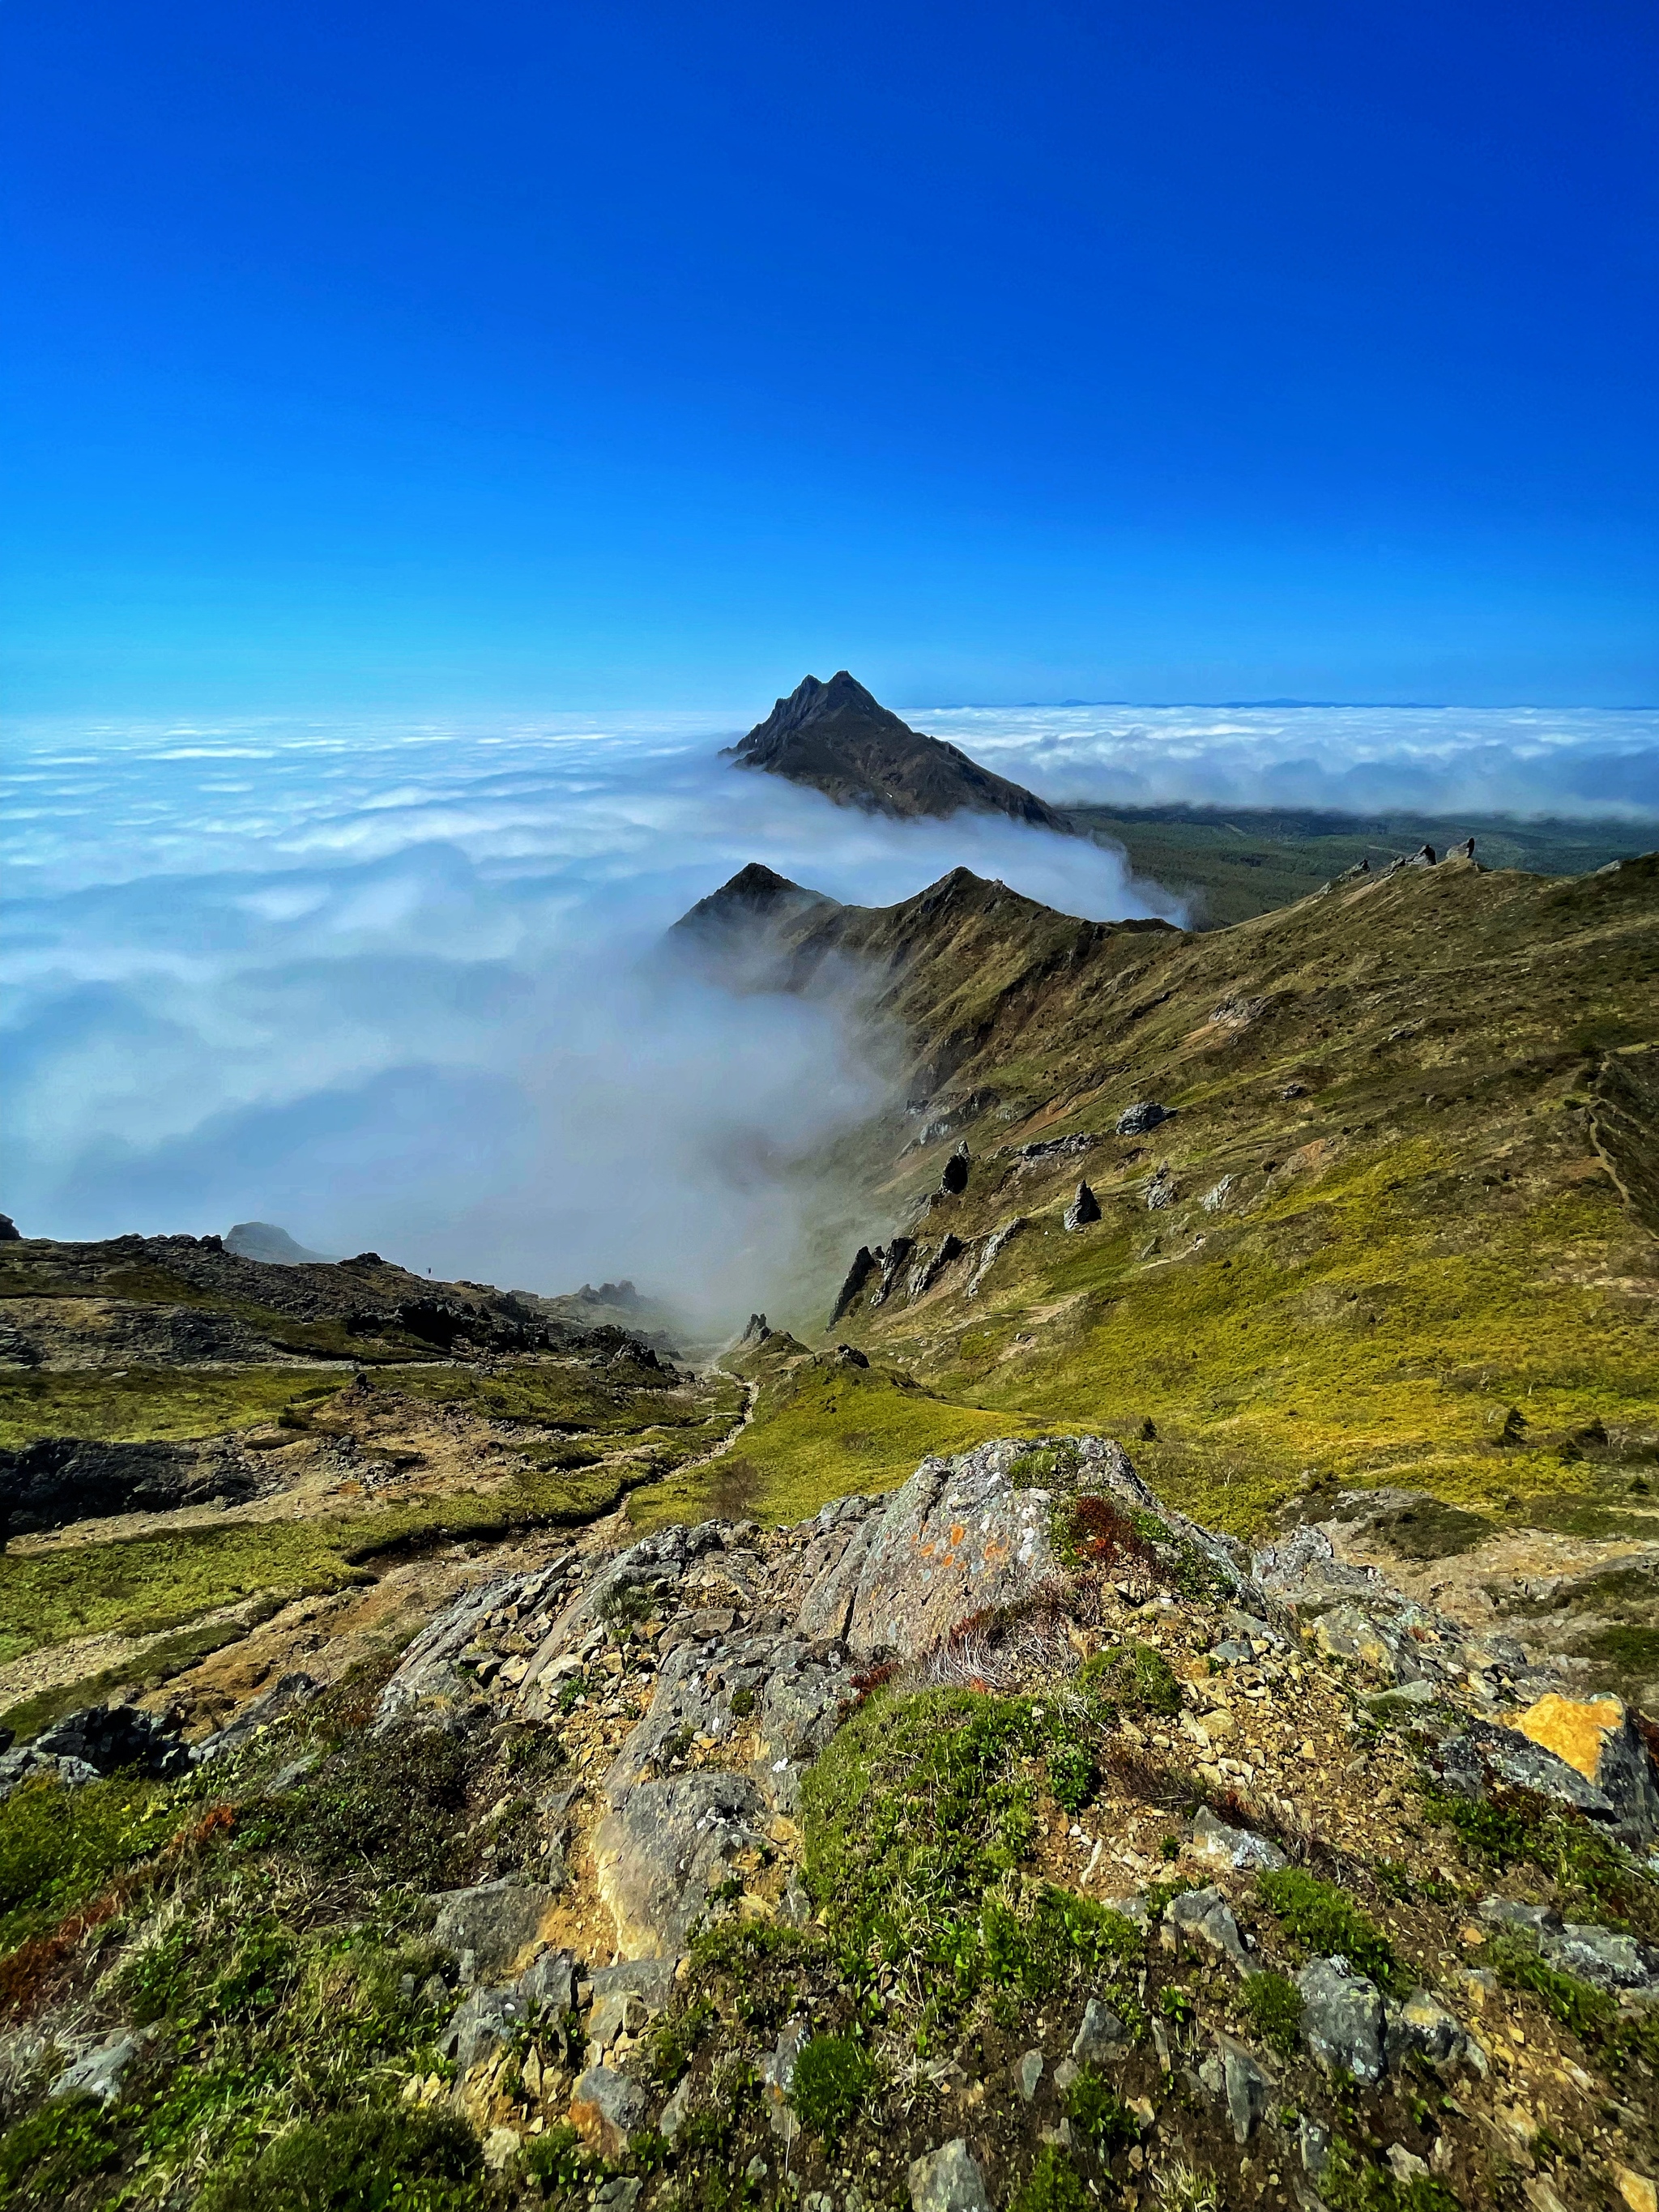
point(1575, 1732)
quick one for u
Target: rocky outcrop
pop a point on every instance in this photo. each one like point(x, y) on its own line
point(58, 1480)
point(1084, 1208)
point(99, 1740)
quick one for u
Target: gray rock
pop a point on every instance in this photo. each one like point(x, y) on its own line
point(777, 2075)
point(1313, 2142)
point(1405, 2165)
point(98, 2072)
point(667, 1847)
point(1084, 1208)
point(1206, 1914)
point(1342, 2020)
point(1247, 2088)
point(483, 2019)
point(1098, 2037)
point(1135, 1120)
point(1609, 1959)
point(1029, 2074)
point(549, 1982)
point(672, 2117)
point(1213, 1840)
point(954, 1181)
point(1421, 2027)
point(1621, 1793)
point(948, 2180)
point(620, 2194)
point(499, 1921)
point(605, 2109)
point(98, 1740)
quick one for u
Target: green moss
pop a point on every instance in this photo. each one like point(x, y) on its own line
point(1595, 1878)
point(1130, 1678)
point(368, 2160)
point(146, 1405)
point(1326, 1920)
point(1353, 2183)
point(834, 2077)
point(1589, 2012)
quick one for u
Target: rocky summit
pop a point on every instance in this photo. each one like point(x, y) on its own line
point(1138, 1693)
point(839, 738)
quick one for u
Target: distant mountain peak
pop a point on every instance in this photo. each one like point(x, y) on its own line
point(838, 738)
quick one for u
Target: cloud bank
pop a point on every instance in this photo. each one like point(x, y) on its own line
point(387, 988)
point(1581, 762)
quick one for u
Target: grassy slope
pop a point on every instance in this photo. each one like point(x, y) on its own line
point(1236, 863)
point(1435, 1243)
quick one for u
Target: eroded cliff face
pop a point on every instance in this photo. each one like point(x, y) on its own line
point(1011, 1838)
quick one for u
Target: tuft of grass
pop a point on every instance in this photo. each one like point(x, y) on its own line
point(1272, 2005)
point(1327, 1921)
point(1130, 1680)
point(1590, 2013)
point(1093, 2105)
point(368, 2160)
point(60, 1846)
point(1054, 2185)
point(835, 2076)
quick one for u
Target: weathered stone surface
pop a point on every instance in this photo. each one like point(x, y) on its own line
point(1610, 1959)
point(1205, 1914)
point(483, 2019)
point(1346, 1633)
point(499, 1922)
point(1342, 2020)
point(1146, 1114)
point(605, 2108)
point(98, 2072)
point(954, 1181)
point(955, 1538)
point(1236, 1848)
point(1420, 2025)
point(1029, 2074)
point(626, 1997)
point(1246, 2086)
point(948, 2180)
point(670, 1843)
point(1099, 2035)
point(777, 2075)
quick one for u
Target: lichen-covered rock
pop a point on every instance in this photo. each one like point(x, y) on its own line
point(1099, 2035)
point(1233, 1848)
point(1597, 1740)
point(497, 1924)
point(1083, 1209)
point(1342, 2020)
point(948, 2180)
point(605, 2108)
point(98, 2073)
point(1420, 2025)
point(1206, 1914)
point(668, 1845)
point(1246, 2086)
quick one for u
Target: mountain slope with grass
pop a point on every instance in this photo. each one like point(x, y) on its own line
point(1367, 1204)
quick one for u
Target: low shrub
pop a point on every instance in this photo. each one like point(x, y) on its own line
point(1127, 1680)
point(1272, 2004)
point(44, 2157)
point(1093, 2105)
point(59, 1847)
point(359, 2161)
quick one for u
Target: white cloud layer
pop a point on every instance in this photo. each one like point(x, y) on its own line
point(386, 989)
point(385, 986)
point(1584, 762)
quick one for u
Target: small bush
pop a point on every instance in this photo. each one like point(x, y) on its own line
point(1071, 1776)
point(362, 2161)
point(1328, 1922)
point(392, 1806)
point(742, 1703)
point(43, 2157)
point(672, 2042)
point(1272, 2004)
point(834, 2076)
point(555, 2159)
point(1053, 2185)
point(1094, 2106)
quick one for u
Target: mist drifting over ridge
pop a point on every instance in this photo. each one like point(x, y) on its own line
point(387, 988)
point(383, 984)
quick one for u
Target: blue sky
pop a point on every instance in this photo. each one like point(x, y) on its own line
point(442, 357)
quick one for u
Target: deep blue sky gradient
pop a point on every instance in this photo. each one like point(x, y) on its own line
point(525, 354)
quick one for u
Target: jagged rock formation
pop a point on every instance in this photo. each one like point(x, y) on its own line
point(1142, 1833)
point(837, 738)
point(262, 1240)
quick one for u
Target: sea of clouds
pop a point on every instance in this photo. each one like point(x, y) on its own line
point(389, 987)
